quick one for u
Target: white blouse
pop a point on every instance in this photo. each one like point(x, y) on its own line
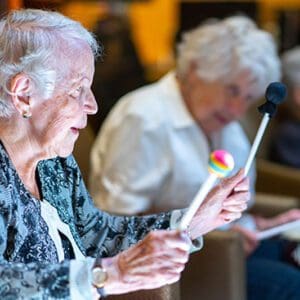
point(80, 267)
point(55, 225)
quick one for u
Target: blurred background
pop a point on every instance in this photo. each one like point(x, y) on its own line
point(139, 35)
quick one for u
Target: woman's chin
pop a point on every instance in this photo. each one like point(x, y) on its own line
point(67, 146)
point(65, 150)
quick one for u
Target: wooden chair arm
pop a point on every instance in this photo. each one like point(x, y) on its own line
point(217, 271)
point(168, 292)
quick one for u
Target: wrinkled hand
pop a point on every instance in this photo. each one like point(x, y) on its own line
point(250, 241)
point(155, 261)
point(288, 216)
point(225, 203)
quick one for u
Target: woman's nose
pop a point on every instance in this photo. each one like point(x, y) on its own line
point(90, 105)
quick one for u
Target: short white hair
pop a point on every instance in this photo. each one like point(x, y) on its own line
point(29, 38)
point(222, 49)
point(291, 67)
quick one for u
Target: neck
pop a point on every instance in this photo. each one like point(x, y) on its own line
point(22, 151)
point(185, 85)
point(185, 90)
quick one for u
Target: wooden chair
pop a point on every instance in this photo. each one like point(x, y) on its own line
point(217, 271)
point(168, 292)
point(277, 179)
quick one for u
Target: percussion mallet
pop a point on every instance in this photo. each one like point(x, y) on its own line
point(275, 94)
point(220, 164)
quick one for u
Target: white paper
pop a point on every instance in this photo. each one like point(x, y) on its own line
point(261, 235)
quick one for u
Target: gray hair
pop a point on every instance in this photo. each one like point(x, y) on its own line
point(29, 39)
point(222, 49)
point(291, 67)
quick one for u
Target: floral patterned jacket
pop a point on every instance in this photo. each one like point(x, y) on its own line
point(29, 266)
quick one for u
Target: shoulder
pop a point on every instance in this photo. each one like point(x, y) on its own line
point(145, 106)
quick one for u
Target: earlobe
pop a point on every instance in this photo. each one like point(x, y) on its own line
point(20, 87)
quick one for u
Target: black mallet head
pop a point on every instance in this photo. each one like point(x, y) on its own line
point(275, 94)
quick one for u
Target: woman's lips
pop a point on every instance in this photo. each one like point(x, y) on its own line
point(221, 119)
point(75, 130)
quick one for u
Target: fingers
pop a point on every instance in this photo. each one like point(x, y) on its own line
point(162, 265)
point(234, 205)
point(158, 249)
point(228, 184)
point(236, 208)
point(169, 239)
point(237, 202)
point(159, 281)
point(237, 199)
point(242, 185)
point(160, 241)
point(177, 239)
point(229, 217)
point(157, 259)
point(172, 278)
point(288, 216)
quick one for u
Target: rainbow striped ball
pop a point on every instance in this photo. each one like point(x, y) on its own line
point(220, 163)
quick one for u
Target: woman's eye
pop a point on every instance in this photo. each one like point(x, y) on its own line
point(76, 93)
point(78, 90)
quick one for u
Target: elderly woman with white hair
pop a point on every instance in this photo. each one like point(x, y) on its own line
point(285, 143)
point(54, 243)
point(152, 151)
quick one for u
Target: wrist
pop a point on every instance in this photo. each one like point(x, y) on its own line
point(113, 283)
point(196, 228)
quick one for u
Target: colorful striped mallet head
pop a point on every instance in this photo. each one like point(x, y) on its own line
point(221, 163)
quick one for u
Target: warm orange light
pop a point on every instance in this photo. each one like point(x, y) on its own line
point(15, 4)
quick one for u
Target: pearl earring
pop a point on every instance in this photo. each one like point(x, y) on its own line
point(26, 114)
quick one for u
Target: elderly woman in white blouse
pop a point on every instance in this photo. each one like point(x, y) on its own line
point(53, 242)
point(223, 68)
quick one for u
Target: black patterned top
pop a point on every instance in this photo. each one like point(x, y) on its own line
point(29, 266)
